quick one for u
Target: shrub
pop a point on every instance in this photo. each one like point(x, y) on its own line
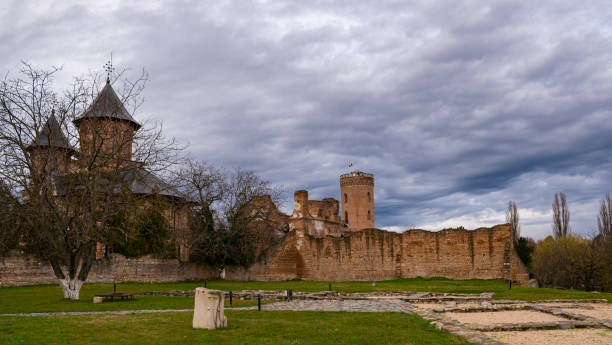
point(569, 262)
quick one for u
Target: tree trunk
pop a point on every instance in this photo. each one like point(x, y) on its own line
point(71, 288)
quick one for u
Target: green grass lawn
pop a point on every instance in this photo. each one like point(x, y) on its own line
point(244, 327)
point(49, 298)
point(44, 298)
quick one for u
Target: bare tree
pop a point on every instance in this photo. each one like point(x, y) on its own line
point(561, 216)
point(604, 219)
point(205, 185)
point(234, 215)
point(248, 216)
point(75, 162)
point(512, 217)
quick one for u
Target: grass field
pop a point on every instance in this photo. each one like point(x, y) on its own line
point(48, 298)
point(244, 327)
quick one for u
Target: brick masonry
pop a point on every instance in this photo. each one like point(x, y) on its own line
point(374, 254)
point(18, 269)
point(370, 254)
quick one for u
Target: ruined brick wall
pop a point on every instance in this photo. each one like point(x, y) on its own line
point(18, 269)
point(280, 262)
point(374, 254)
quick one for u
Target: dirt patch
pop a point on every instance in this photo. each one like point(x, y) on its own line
point(557, 337)
point(509, 316)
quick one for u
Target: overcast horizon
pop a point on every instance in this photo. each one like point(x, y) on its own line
point(455, 110)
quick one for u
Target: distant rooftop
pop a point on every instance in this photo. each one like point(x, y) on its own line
point(357, 173)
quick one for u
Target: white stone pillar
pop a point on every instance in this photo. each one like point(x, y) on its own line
point(208, 310)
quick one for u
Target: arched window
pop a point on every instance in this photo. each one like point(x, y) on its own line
point(345, 197)
point(369, 214)
point(346, 217)
point(369, 197)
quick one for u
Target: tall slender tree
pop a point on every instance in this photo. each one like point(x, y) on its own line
point(561, 216)
point(512, 217)
point(604, 219)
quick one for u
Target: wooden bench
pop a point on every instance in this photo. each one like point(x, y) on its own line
point(112, 295)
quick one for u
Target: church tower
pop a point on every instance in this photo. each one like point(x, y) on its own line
point(50, 151)
point(357, 193)
point(106, 131)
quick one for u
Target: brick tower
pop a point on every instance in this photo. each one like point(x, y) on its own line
point(357, 193)
point(106, 131)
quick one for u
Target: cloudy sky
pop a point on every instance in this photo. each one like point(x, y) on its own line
point(456, 109)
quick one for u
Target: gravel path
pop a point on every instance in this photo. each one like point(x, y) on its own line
point(380, 305)
point(373, 305)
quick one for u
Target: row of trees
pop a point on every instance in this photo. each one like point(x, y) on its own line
point(568, 260)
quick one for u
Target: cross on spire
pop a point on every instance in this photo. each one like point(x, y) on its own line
point(108, 67)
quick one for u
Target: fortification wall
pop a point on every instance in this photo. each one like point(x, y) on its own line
point(370, 254)
point(18, 269)
point(374, 254)
point(278, 263)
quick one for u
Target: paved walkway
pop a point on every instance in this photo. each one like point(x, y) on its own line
point(299, 305)
point(381, 305)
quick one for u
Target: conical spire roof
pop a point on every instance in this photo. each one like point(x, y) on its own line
point(108, 105)
point(51, 135)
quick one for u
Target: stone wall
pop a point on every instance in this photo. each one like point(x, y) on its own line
point(374, 254)
point(18, 269)
point(370, 254)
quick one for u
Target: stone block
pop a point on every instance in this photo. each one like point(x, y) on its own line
point(98, 299)
point(208, 310)
point(533, 283)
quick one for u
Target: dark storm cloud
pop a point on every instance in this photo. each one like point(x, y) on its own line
point(455, 108)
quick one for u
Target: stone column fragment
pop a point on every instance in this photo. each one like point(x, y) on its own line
point(208, 311)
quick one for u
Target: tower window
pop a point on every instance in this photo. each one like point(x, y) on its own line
point(368, 196)
point(346, 217)
point(345, 197)
point(369, 214)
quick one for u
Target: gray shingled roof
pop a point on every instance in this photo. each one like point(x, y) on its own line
point(108, 105)
point(145, 182)
point(142, 182)
point(51, 135)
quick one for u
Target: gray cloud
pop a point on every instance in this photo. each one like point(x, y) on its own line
point(455, 108)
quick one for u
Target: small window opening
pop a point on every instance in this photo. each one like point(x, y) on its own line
point(345, 197)
point(369, 215)
point(346, 217)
